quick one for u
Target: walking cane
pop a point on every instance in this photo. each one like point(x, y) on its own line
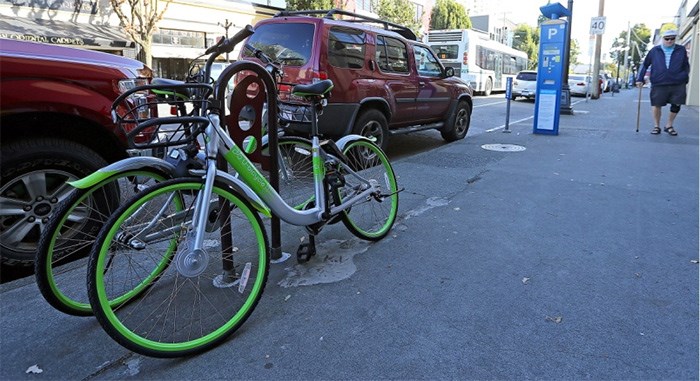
point(639, 103)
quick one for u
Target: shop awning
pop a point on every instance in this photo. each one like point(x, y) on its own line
point(101, 37)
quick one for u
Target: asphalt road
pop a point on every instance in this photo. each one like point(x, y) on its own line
point(573, 258)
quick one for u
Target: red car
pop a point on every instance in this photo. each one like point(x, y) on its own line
point(56, 126)
point(385, 81)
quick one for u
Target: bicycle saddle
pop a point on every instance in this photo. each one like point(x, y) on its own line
point(317, 89)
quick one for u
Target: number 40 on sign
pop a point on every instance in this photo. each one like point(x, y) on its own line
point(598, 25)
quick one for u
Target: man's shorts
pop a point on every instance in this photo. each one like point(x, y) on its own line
point(660, 95)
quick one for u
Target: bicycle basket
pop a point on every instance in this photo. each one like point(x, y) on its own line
point(132, 113)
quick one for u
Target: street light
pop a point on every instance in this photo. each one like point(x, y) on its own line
point(227, 24)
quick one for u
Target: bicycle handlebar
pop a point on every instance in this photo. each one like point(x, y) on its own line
point(226, 45)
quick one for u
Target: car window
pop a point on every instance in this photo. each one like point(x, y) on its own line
point(346, 48)
point(426, 63)
point(527, 76)
point(289, 43)
point(392, 55)
point(446, 52)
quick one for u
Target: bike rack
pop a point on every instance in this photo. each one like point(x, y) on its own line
point(244, 122)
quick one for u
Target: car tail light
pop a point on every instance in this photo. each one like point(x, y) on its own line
point(318, 76)
point(465, 59)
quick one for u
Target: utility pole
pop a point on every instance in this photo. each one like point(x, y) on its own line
point(627, 57)
point(227, 24)
point(595, 82)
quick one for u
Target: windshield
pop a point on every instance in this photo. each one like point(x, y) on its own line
point(524, 76)
point(288, 43)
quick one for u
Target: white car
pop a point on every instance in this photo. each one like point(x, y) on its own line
point(524, 85)
point(579, 84)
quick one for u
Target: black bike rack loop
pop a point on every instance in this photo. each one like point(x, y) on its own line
point(243, 101)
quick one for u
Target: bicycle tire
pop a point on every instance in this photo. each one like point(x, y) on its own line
point(65, 242)
point(190, 308)
point(373, 218)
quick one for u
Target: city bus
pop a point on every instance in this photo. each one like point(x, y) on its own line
point(484, 63)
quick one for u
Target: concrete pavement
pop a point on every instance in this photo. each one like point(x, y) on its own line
point(575, 258)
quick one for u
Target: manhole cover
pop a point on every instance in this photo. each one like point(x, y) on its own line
point(503, 147)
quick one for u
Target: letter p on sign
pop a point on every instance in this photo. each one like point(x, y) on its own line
point(551, 32)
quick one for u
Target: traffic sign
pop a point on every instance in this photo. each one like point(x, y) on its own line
point(598, 25)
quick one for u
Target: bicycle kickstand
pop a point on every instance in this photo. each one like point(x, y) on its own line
point(307, 250)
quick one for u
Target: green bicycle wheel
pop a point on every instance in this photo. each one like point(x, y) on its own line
point(65, 242)
point(203, 296)
point(372, 218)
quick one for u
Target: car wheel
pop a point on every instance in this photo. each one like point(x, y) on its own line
point(459, 123)
point(488, 87)
point(372, 124)
point(33, 183)
point(512, 98)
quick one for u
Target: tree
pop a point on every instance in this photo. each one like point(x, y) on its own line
point(303, 5)
point(574, 52)
point(526, 39)
point(402, 12)
point(640, 35)
point(139, 18)
point(448, 14)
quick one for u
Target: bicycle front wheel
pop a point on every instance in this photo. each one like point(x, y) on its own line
point(65, 242)
point(372, 218)
point(204, 294)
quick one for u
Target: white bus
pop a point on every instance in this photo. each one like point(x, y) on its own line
point(482, 62)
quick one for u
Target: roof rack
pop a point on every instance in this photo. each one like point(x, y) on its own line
point(328, 14)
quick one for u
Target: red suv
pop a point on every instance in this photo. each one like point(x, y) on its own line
point(56, 126)
point(385, 81)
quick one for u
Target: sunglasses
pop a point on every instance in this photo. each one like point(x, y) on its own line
point(669, 38)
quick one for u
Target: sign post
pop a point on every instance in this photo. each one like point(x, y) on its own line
point(549, 76)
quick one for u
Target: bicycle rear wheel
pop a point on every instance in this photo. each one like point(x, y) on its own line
point(296, 176)
point(201, 298)
point(372, 218)
point(65, 242)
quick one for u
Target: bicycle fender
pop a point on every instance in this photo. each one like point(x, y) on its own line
point(129, 164)
point(245, 191)
point(350, 138)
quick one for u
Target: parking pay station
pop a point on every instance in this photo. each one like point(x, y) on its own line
point(550, 68)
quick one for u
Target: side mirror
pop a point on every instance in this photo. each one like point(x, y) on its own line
point(449, 72)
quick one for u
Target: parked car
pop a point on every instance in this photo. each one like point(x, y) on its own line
point(579, 84)
point(56, 126)
point(524, 85)
point(385, 81)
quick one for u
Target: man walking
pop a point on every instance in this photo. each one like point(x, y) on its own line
point(669, 75)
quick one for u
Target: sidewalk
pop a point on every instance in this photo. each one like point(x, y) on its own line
point(571, 259)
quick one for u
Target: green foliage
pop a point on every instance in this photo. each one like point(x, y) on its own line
point(448, 14)
point(640, 36)
point(402, 12)
point(574, 52)
point(304, 5)
point(527, 38)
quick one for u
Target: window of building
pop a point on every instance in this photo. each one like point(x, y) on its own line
point(365, 5)
point(184, 38)
point(419, 12)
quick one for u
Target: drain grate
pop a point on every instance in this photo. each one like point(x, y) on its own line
point(503, 147)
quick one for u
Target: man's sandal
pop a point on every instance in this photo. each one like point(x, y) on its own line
point(670, 131)
point(656, 130)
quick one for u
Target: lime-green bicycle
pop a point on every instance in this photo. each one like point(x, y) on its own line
point(181, 265)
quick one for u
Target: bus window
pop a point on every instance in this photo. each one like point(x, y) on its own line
point(446, 52)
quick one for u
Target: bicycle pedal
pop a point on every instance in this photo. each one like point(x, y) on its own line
point(305, 252)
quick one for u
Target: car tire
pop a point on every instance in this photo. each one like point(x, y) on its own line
point(372, 124)
point(458, 124)
point(488, 87)
point(48, 163)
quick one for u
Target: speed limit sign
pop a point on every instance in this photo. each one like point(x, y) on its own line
point(598, 25)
